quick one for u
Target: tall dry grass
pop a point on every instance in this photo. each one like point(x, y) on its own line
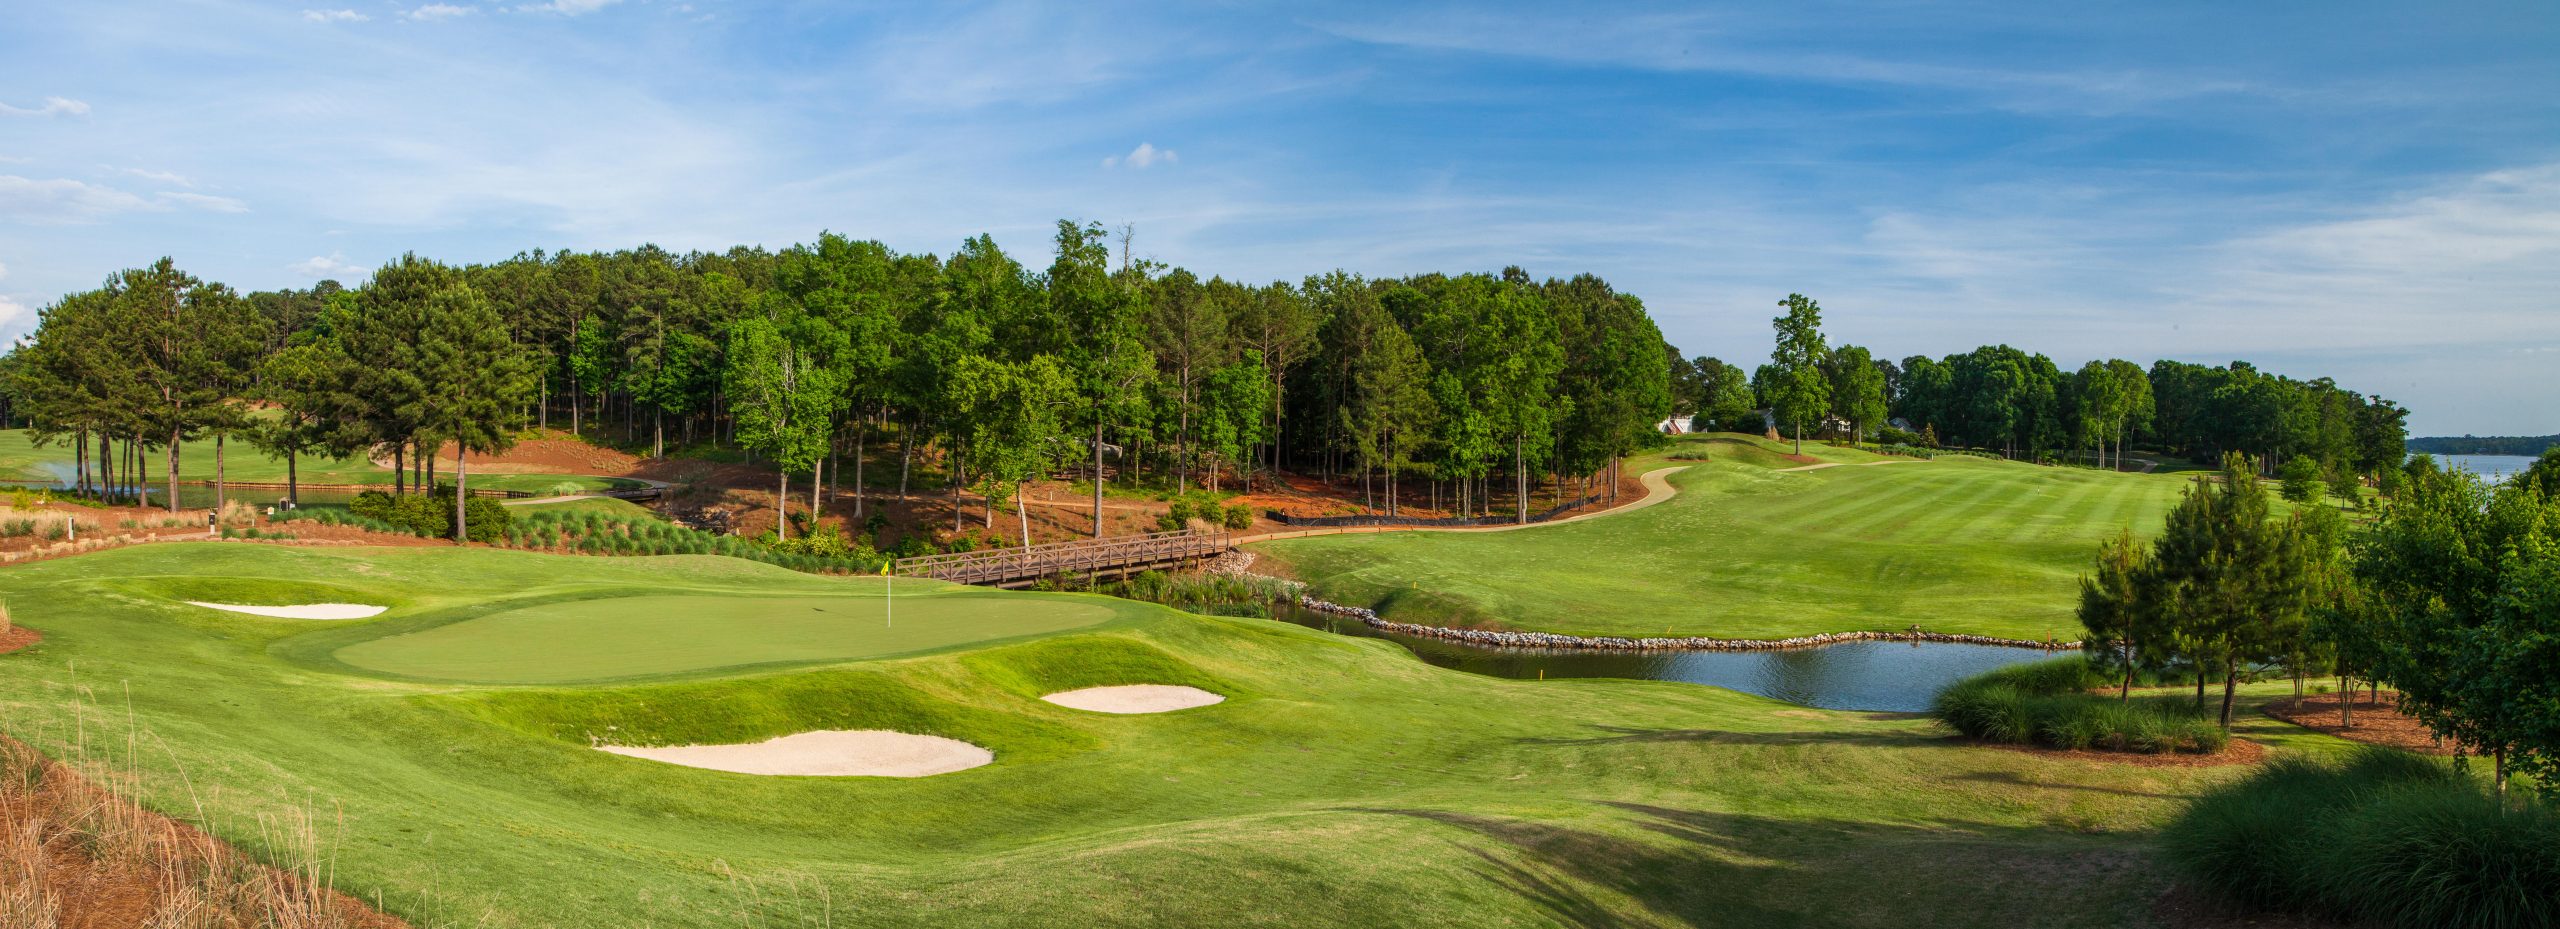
point(76, 855)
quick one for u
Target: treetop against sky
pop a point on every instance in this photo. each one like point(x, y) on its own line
point(2362, 190)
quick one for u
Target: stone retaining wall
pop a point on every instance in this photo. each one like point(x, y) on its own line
point(1552, 640)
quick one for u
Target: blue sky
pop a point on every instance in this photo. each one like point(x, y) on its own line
point(2366, 191)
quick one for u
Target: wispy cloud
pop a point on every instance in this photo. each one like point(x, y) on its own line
point(53, 106)
point(333, 16)
point(332, 266)
point(1145, 155)
point(63, 201)
point(164, 177)
point(568, 7)
point(435, 11)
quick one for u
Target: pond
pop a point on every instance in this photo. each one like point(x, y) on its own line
point(1899, 677)
point(197, 496)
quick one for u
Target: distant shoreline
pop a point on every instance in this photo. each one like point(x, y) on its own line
point(2529, 446)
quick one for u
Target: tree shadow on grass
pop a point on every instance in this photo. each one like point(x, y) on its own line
point(1697, 869)
point(2015, 779)
point(1613, 735)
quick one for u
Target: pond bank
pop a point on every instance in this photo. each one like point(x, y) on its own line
point(1554, 640)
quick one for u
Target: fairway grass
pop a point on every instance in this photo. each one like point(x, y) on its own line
point(21, 459)
point(1341, 782)
point(1747, 550)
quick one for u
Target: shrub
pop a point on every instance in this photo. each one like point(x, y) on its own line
point(1177, 513)
point(1239, 516)
point(2388, 837)
point(2049, 703)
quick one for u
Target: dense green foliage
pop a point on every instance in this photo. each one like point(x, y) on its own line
point(596, 532)
point(2049, 703)
point(431, 515)
point(2457, 605)
point(991, 371)
point(2388, 838)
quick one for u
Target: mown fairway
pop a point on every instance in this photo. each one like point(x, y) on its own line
point(1342, 783)
point(22, 459)
point(1745, 550)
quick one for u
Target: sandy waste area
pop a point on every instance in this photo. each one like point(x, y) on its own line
point(304, 611)
point(1134, 698)
point(825, 753)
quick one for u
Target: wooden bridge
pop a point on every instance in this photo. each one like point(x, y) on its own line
point(1088, 558)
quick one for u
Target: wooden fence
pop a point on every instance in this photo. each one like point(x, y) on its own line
point(1090, 558)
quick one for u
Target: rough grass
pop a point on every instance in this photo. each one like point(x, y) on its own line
point(1957, 544)
point(2387, 837)
point(1350, 785)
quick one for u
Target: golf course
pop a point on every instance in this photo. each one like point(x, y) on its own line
point(445, 752)
point(1756, 544)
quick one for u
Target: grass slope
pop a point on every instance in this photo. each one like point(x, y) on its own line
point(1745, 550)
point(1343, 783)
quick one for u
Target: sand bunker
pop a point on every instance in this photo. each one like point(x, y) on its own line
point(305, 611)
point(825, 753)
point(1134, 698)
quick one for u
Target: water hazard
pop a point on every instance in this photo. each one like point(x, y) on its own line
point(1900, 677)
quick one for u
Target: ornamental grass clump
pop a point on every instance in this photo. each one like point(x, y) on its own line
point(2385, 838)
point(2049, 703)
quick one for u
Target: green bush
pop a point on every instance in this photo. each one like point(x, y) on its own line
point(2049, 703)
point(1239, 516)
point(2388, 838)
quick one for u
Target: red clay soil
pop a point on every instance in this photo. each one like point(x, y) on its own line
point(18, 637)
point(2375, 723)
point(2237, 751)
point(80, 857)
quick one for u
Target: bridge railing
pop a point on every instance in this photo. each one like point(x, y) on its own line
point(1083, 555)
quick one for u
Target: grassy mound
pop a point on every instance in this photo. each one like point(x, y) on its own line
point(246, 591)
point(1076, 662)
point(2048, 703)
point(1747, 549)
point(2387, 837)
point(726, 712)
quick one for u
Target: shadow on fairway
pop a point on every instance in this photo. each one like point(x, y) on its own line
point(1631, 734)
point(1720, 869)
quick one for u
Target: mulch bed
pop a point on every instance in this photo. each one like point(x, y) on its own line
point(2237, 751)
point(2185, 907)
point(2375, 723)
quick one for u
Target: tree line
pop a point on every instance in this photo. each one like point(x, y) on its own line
point(2025, 406)
point(989, 372)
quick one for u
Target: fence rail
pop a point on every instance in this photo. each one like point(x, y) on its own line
point(1017, 567)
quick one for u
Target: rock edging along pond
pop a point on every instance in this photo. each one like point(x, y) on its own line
point(1507, 639)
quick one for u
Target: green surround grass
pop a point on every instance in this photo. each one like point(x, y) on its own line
point(1957, 544)
point(1342, 783)
point(654, 635)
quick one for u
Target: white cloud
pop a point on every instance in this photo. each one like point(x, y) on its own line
point(165, 177)
point(206, 202)
point(12, 312)
point(62, 200)
point(436, 11)
point(333, 16)
point(569, 7)
point(1145, 155)
point(53, 106)
point(332, 266)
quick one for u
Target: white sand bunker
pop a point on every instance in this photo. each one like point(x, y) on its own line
point(826, 753)
point(305, 611)
point(1135, 698)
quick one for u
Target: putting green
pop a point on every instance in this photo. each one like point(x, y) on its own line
point(642, 636)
